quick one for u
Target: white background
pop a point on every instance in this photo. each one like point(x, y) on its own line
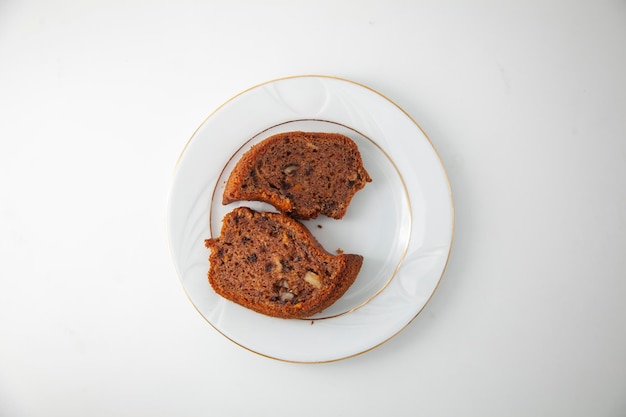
point(524, 100)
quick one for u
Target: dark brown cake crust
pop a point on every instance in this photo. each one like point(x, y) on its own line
point(271, 263)
point(302, 174)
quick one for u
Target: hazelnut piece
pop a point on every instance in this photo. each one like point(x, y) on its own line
point(312, 278)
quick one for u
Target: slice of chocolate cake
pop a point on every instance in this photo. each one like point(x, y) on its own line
point(272, 264)
point(302, 174)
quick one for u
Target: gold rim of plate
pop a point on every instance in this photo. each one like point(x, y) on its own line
point(405, 189)
point(406, 193)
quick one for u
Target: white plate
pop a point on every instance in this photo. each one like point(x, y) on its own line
point(402, 222)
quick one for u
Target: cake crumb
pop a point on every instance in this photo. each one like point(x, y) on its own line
point(339, 251)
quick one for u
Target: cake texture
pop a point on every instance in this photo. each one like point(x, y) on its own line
point(303, 174)
point(272, 264)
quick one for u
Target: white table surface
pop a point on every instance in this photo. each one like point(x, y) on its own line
point(524, 100)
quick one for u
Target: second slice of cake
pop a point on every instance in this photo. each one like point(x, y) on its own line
point(272, 264)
